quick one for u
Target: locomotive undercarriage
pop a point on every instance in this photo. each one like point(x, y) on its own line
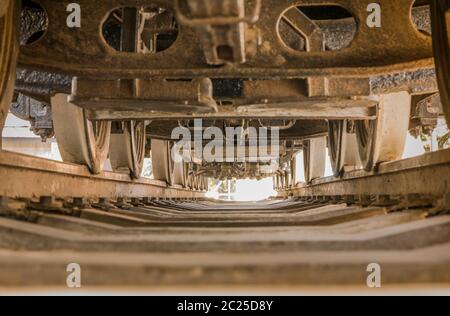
point(118, 85)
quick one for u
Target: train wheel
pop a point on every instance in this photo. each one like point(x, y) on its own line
point(287, 178)
point(201, 183)
point(440, 17)
point(9, 47)
point(162, 161)
point(180, 174)
point(194, 182)
point(282, 180)
point(79, 140)
point(205, 182)
point(342, 147)
point(197, 183)
point(127, 149)
point(187, 183)
point(276, 182)
point(191, 182)
point(384, 138)
point(293, 166)
point(314, 153)
point(279, 181)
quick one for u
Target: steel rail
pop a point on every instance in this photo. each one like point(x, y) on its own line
point(30, 177)
point(203, 243)
point(426, 175)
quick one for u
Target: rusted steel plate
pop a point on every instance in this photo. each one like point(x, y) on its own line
point(314, 109)
point(395, 47)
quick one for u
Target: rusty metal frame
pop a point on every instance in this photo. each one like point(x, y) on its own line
point(3, 6)
point(281, 97)
point(194, 96)
point(314, 109)
point(250, 19)
point(397, 46)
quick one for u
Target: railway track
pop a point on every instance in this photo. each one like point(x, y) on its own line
point(244, 87)
point(309, 238)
